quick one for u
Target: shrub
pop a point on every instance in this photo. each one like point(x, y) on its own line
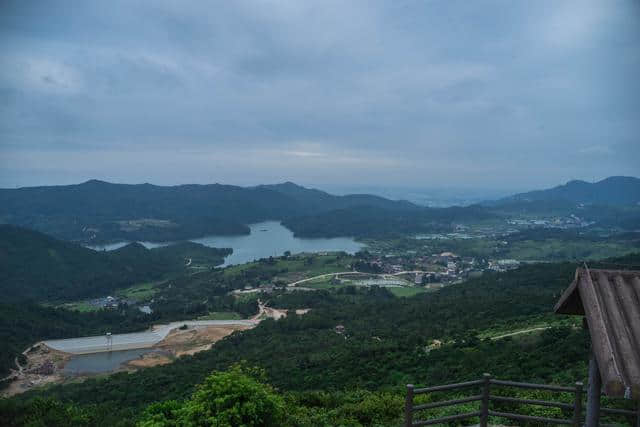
point(231, 398)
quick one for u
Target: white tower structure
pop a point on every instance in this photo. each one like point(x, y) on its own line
point(109, 341)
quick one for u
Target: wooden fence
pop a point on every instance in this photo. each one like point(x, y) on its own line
point(486, 384)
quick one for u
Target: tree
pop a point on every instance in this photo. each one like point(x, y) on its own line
point(231, 398)
point(42, 412)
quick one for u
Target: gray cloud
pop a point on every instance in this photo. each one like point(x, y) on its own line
point(493, 94)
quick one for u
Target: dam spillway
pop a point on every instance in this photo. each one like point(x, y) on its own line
point(134, 340)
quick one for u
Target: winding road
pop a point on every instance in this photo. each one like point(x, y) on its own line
point(341, 273)
point(524, 331)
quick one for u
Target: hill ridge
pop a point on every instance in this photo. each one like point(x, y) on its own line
point(613, 190)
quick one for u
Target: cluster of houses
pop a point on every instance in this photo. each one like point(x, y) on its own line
point(565, 222)
point(444, 267)
point(110, 302)
point(503, 264)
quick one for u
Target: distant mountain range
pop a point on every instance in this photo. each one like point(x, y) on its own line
point(99, 212)
point(615, 190)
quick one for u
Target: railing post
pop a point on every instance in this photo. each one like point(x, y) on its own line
point(484, 411)
point(408, 407)
point(577, 405)
point(592, 418)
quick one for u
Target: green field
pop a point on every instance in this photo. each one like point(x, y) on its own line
point(140, 292)
point(555, 247)
point(221, 315)
point(81, 306)
point(295, 267)
point(321, 283)
point(329, 283)
point(247, 297)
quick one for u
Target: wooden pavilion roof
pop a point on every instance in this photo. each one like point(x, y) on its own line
point(610, 302)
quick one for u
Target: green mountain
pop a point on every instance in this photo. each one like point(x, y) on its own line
point(319, 201)
point(39, 267)
point(97, 211)
point(612, 203)
point(615, 190)
point(369, 221)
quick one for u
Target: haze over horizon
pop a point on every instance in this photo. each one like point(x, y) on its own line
point(501, 96)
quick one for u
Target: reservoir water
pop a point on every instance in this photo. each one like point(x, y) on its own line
point(269, 238)
point(107, 361)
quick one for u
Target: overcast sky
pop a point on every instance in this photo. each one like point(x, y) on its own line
point(471, 94)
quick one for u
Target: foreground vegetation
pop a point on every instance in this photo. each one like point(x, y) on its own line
point(358, 376)
point(204, 294)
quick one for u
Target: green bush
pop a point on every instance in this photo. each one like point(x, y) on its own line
point(232, 398)
point(41, 412)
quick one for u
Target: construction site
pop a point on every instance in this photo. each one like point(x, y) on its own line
point(73, 359)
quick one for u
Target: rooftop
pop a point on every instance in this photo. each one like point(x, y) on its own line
point(610, 302)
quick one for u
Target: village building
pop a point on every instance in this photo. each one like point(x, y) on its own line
point(446, 257)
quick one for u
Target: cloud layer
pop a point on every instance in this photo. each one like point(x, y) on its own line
point(494, 94)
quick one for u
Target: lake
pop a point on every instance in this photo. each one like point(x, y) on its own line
point(269, 238)
point(107, 361)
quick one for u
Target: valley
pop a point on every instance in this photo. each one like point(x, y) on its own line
point(285, 213)
point(351, 318)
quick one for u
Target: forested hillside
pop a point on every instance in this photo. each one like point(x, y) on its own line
point(38, 267)
point(384, 345)
point(97, 211)
point(615, 190)
point(367, 221)
point(318, 201)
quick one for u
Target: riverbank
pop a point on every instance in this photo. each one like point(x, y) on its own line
point(265, 239)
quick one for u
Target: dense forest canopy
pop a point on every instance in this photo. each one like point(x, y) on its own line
point(366, 221)
point(615, 190)
point(38, 267)
point(97, 211)
point(384, 344)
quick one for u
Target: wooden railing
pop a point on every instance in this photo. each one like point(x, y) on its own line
point(486, 397)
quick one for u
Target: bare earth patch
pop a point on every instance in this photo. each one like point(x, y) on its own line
point(149, 359)
point(181, 342)
point(43, 367)
point(195, 336)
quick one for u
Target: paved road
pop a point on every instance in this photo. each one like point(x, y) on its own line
point(340, 273)
point(524, 331)
point(18, 365)
point(134, 340)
